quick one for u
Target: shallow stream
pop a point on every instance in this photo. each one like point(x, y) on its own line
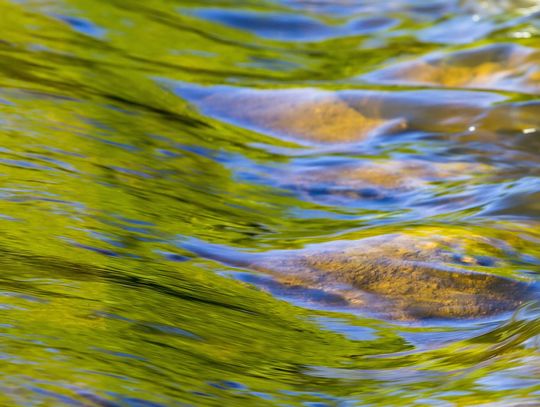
point(192, 193)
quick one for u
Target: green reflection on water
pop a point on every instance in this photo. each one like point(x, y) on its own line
point(104, 168)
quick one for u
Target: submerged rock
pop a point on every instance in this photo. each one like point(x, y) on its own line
point(373, 180)
point(512, 118)
point(329, 118)
point(495, 7)
point(399, 276)
point(302, 114)
point(500, 66)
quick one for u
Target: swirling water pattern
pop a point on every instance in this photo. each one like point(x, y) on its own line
point(161, 161)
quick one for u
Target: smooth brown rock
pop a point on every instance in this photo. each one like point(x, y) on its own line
point(501, 66)
point(404, 276)
point(301, 114)
point(375, 180)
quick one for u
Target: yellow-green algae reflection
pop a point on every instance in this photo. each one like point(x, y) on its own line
point(137, 134)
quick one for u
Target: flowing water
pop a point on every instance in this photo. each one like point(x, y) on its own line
point(269, 202)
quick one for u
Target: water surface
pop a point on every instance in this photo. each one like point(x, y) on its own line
point(143, 141)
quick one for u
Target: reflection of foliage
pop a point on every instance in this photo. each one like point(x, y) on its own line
point(102, 169)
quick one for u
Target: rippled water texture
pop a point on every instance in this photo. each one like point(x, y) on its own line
point(269, 202)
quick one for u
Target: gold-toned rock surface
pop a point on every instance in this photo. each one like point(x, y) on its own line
point(301, 114)
point(326, 118)
point(377, 179)
point(502, 66)
point(404, 276)
point(514, 118)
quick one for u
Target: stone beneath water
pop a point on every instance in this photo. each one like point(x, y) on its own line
point(513, 118)
point(301, 114)
point(373, 180)
point(500, 66)
point(325, 118)
point(496, 7)
point(398, 276)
